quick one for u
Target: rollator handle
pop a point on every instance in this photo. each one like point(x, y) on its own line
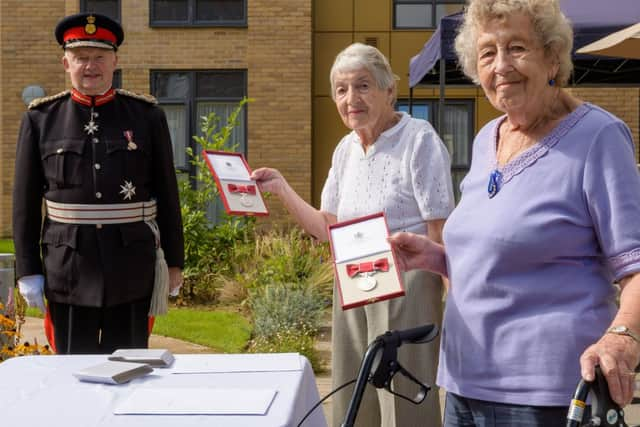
point(381, 358)
point(418, 335)
point(604, 411)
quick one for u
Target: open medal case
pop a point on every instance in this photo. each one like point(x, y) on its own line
point(364, 264)
point(240, 195)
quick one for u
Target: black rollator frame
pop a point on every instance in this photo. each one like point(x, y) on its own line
point(380, 365)
point(381, 358)
point(604, 411)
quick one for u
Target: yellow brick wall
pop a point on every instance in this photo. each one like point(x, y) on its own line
point(275, 49)
point(279, 64)
point(28, 56)
point(623, 102)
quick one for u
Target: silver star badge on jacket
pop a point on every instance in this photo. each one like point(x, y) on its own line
point(91, 127)
point(128, 190)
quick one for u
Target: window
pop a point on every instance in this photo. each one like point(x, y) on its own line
point(110, 8)
point(171, 13)
point(186, 96)
point(117, 79)
point(457, 132)
point(423, 13)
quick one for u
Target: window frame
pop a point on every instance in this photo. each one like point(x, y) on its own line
point(433, 107)
point(191, 18)
point(215, 209)
point(116, 83)
point(118, 17)
point(433, 3)
point(191, 101)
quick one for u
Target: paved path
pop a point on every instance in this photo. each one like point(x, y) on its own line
point(33, 329)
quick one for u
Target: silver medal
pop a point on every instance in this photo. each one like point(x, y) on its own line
point(246, 201)
point(367, 283)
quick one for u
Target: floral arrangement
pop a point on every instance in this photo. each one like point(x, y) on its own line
point(10, 339)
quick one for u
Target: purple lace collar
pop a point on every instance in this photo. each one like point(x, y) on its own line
point(501, 175)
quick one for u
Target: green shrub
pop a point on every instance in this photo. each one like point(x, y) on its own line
point(286, 318)
point(276, 307)
point(287, 256)
point(290, 340)
point(209, 247)
point(281, 277)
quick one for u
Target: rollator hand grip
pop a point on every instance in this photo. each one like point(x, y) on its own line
point(604, 411)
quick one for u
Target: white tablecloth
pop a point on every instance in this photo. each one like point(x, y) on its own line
point(41, 391)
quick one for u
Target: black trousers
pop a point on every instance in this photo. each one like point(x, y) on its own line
point(100, 330)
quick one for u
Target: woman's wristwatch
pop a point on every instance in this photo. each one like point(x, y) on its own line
point(623, 330)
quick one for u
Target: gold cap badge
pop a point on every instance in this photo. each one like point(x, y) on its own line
point(90, 28)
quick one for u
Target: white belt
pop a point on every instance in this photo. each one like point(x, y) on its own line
point(116, 213)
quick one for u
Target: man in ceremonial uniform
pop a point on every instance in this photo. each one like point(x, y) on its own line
point(102, 161)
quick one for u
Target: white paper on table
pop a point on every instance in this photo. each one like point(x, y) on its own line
point(360, 239)
point(217, 363)
point(229, 167)
point(196, 401)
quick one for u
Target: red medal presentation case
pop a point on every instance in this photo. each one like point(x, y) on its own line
point(240, 195)
point(365, 267)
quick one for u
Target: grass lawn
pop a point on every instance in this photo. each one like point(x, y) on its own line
point(224, 331)
point(6, 246)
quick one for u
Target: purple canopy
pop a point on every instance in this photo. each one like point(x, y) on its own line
point(591, 19)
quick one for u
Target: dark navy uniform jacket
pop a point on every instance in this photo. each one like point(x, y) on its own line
point(65, 156)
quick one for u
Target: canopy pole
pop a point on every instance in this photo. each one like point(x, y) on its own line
point(411, 101)
point(443, 72)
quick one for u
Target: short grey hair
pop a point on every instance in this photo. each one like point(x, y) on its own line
point(361, 56)
point(551, 28)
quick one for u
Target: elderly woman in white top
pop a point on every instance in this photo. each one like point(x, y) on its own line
point(393, 163)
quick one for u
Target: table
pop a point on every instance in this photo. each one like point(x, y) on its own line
point(41, 391)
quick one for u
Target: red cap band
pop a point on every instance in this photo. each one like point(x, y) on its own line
point(78, 33)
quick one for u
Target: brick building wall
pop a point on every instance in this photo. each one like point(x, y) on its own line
point(26, 58)
point(623, 102)
point(275, 49)
point(279, 63)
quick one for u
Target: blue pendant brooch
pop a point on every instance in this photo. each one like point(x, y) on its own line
point(495, 180)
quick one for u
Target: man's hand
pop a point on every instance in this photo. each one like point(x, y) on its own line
point(175, 281)
point(32, 290)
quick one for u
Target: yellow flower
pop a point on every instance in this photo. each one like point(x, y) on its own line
point(10, 337)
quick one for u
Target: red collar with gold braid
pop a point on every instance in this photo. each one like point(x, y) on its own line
point(92, 101)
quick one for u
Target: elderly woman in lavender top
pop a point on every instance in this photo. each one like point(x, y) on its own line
point(548, 220)
point(393, 163)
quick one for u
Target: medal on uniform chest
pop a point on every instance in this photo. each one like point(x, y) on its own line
point(128, 134)
point(128, 190)
point(91, 127)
